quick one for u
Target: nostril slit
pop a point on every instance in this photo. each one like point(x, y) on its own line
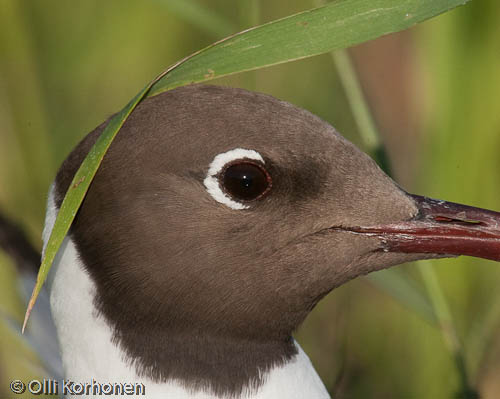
point(445, 219)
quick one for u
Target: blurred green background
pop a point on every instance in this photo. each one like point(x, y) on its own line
point(434, 93)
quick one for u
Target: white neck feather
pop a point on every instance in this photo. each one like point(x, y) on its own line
point(88, 352)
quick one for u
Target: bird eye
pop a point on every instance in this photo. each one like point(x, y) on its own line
point(236, 177)
point(245, 180)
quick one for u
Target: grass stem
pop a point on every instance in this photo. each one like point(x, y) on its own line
point(372, 143)
point(446, 325)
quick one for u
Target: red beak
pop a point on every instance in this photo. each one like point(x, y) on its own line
point(442, 228)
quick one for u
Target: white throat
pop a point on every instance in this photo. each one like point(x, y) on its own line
point(88, 353)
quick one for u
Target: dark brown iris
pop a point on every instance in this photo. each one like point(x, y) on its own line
point(245, 180)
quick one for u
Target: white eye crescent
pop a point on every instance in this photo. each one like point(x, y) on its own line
point(219, 163)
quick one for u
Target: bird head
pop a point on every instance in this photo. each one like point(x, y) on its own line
point(229, 213)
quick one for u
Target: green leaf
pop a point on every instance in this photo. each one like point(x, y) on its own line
point(200, 16)
point(394, 283)
point(447, 327)
point(76, 192)
point(336, 25)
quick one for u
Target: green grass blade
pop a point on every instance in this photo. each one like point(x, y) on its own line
point(200, 16)
point(337, 25)
point(356, 99)
point(391, 281)
point(76, 192)
point(404, 291)
point(482, 338)
point(367, 129)
point(435, 311)
point(447, 327)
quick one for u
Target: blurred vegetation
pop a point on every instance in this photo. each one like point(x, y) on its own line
point(66, 66)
